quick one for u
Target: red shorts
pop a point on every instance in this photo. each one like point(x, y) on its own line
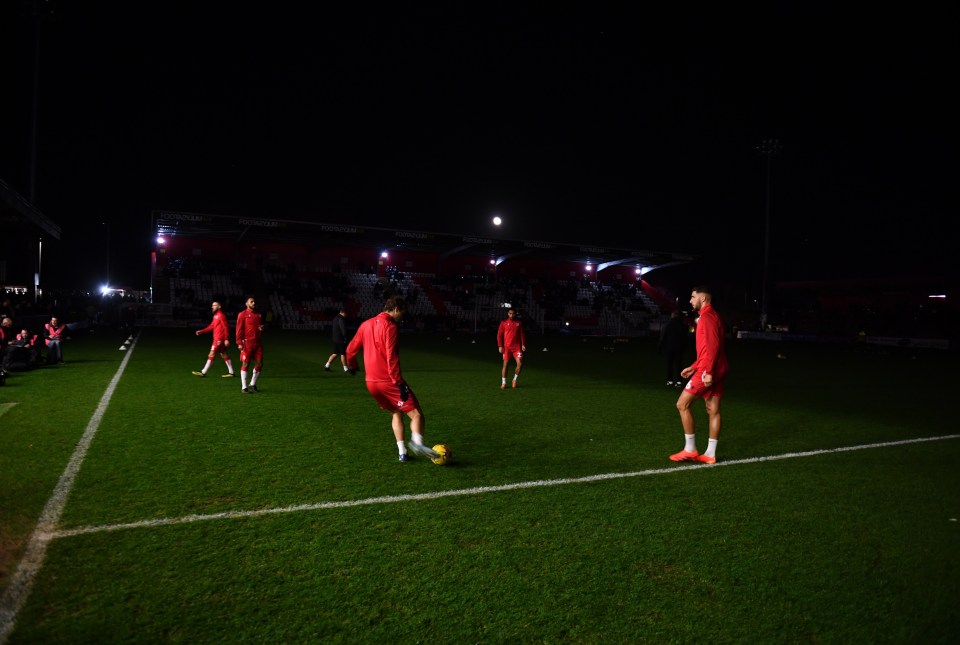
point(218, 347)
point(511, 351)
point(696, 387)
point(387, 396)
point(251, 353)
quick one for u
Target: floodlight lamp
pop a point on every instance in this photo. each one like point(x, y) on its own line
point(161, 240)
point(104, 290)
point(589, 267)
point(493, 261)
point(497, 221)
point(384, 255)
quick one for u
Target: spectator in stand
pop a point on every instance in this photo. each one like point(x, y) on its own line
point(339, 340)
point(221, 341)
point(54, 334)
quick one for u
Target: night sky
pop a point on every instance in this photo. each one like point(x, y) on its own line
point(579, 124)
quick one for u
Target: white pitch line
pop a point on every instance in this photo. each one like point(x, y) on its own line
point(393, 499)
point(22, 580)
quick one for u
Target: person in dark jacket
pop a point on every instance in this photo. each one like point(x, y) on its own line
point(22, 353)
point(339, 340)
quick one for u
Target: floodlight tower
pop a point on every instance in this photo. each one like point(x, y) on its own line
point(40, 11)
point(106, 226)
point(768, 148)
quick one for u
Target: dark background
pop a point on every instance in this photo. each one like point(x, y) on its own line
point(634, 128)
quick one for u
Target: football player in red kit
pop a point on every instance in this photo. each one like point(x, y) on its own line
point(378, 337)
point(707, 376)
point(249, 331)
point(511, 341)
point(221, 340)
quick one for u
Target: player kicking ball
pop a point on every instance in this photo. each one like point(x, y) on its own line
point(378, 337)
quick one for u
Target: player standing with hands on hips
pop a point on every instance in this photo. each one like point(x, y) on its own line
point(378, 338)
point(706, 375)
point(511, 341)
point(249, 331)
point(221, 340)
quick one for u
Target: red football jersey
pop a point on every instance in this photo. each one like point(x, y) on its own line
point(248, 327)
point(711, 355)
point(219, 328)
point(381, 356)
point(510, 334)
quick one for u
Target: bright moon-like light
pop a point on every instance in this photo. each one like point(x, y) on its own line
point(497, 221)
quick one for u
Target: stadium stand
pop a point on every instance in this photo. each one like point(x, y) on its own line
point(304, 271)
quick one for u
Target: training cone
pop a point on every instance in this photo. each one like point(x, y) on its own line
point(123, 347)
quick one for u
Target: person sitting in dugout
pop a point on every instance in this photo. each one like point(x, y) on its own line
point(22, 353)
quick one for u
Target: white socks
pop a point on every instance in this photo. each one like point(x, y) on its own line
point(417, 438)
point(229, 365)
point(690, 445)
point(206, 366)
point(711, 448)
point(402, 447)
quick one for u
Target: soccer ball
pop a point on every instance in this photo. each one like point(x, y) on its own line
point(445, 454)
